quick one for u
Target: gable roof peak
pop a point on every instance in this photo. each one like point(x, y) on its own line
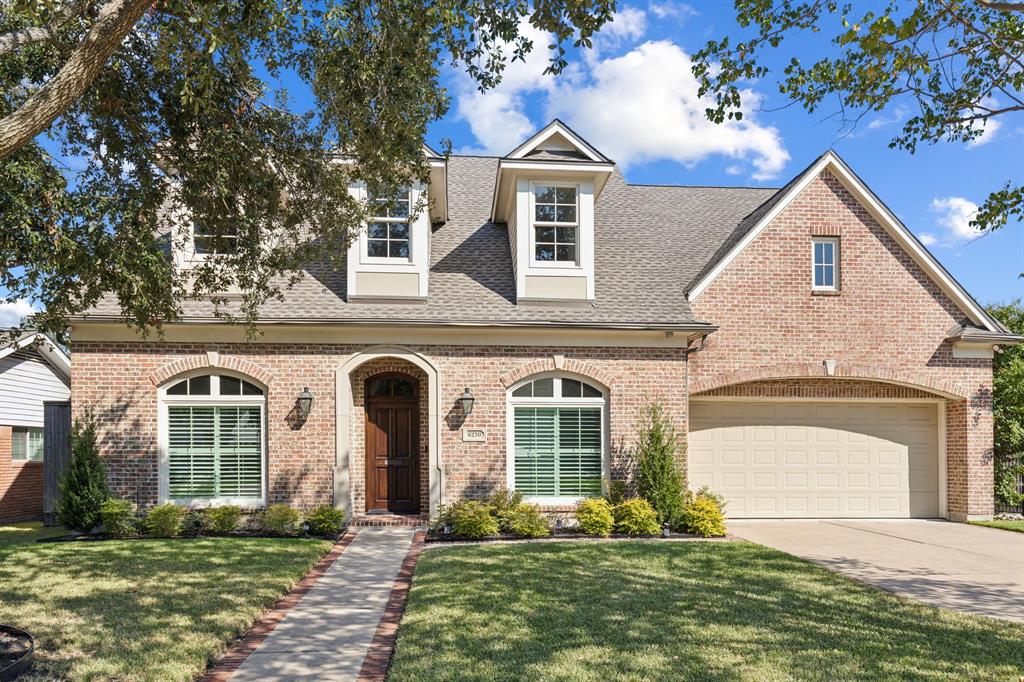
point(556, 136)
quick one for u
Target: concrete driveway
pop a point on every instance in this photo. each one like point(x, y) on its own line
point(968, 568)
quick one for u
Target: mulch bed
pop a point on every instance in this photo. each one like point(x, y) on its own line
point(14, 647)
point(102, 537)
point(559, 536)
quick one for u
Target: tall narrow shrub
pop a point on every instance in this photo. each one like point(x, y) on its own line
point(659, 465)
point(83, 489)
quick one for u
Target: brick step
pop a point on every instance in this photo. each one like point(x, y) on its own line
point(388, 520)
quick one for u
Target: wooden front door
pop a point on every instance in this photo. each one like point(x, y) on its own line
point(392, 443)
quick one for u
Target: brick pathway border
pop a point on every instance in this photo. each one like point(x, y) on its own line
point(378, 656)
point(238, 652)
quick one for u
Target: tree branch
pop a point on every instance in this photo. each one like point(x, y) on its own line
point(1002, 6)
point(116, 18)
point(42, 34)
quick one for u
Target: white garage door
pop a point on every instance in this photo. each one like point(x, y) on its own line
point(829, 459)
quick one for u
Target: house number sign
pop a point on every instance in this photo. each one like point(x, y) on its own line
point(474, 436)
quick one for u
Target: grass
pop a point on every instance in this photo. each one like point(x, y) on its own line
point(1016, 526)
point(683, 611)
point(143, 610)
point(28, 531)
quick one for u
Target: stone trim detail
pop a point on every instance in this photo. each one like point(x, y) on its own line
point(557, 363)
point(893, 375)
point(382, 648)
point(238, 652)
point(212, 359)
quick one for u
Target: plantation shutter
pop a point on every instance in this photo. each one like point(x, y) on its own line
point(558, 451)
point(215, 452)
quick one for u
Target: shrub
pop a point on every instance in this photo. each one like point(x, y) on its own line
point(1007, 470)
point(659, 474)
point(118, 517)
point(223, 519)
point(325, 520)
point(504, 503)
point(595, 517)
point(84, 487)
point(616, 492)
point(525, 520)
point(636, 517)
point(281, 519)
point(164, 520)
point(703, 516)
point(193, 523)
point(473, 519)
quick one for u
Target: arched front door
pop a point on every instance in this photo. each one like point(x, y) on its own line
point(392, 443)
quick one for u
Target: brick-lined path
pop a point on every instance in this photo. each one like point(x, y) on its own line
point(328, 633)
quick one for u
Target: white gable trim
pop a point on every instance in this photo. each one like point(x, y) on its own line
point(831, 162)
point(556, 127)
point(46, 349)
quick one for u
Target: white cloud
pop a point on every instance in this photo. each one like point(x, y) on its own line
point(989, 127)
point(626, 26)
point(954, 215)
point(898, 113)
point(928, 239)
point(12, 314)
point(496, 117)
point(679, 11)
point(643, 107)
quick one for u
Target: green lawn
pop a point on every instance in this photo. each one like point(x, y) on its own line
point(1017, 526)
point(143, 610)
point(28, 531)
point(677, 611)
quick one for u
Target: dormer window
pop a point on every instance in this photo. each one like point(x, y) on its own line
point(388, 234)
point(555, 224)
point(206, 241)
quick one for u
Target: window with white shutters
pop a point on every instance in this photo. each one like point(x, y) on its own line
point(214, 440)
point(557, 438)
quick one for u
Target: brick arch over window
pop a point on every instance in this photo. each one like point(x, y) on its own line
point(579, 367)
point(231, 362)
point(889, 375)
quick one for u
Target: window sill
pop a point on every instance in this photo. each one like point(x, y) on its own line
point(19, 462)
point(825, 292)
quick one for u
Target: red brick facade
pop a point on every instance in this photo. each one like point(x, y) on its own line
point(885, 329)
point(21, 484)
point(116, 380)
point(887, 323)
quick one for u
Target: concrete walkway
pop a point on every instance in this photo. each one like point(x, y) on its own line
point(968, 568)
point(327, 634)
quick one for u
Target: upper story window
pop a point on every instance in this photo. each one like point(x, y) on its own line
point(388, 234)
point(826, 264)
point(206, 241)
point(555, 224)
point(27, 444)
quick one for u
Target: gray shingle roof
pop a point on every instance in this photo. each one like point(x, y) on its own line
point(650, 243)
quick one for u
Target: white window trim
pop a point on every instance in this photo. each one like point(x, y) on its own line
point(213, 400)
point(512, 402)
point(834, 241)
point(27, 430)
point(364, 234)
point(548, 264)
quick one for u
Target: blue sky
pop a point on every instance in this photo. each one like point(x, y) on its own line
point(633, 96)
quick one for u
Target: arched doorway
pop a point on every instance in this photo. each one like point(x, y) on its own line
point(392, 442)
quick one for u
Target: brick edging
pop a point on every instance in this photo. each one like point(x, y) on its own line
point(238, 652)
point(378, 656)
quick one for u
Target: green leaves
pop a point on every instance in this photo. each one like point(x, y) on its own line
point(191, 121)
point(958, 63)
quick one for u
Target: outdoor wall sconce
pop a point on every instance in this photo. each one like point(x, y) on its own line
point(467, 401)
point(304, 402)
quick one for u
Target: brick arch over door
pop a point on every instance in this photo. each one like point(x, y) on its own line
point(570, 365)
point(879, 373)
point(230, 362)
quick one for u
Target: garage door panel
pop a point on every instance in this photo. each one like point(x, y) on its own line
point(805, 459)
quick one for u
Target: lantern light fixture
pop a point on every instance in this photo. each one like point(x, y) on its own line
point(466, 401)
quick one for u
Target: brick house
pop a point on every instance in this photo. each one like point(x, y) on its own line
point(820, 362)
point(33, 370)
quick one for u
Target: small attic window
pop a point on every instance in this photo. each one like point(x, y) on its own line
point(387, 233)
point(555, 224)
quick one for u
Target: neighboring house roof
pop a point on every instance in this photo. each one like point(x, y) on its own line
point(639, 281)
point(43, 345)
point(757, 220)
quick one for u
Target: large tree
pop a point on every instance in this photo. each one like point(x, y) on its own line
point(955, 65)
point(121, 121)
point(1008, 407)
